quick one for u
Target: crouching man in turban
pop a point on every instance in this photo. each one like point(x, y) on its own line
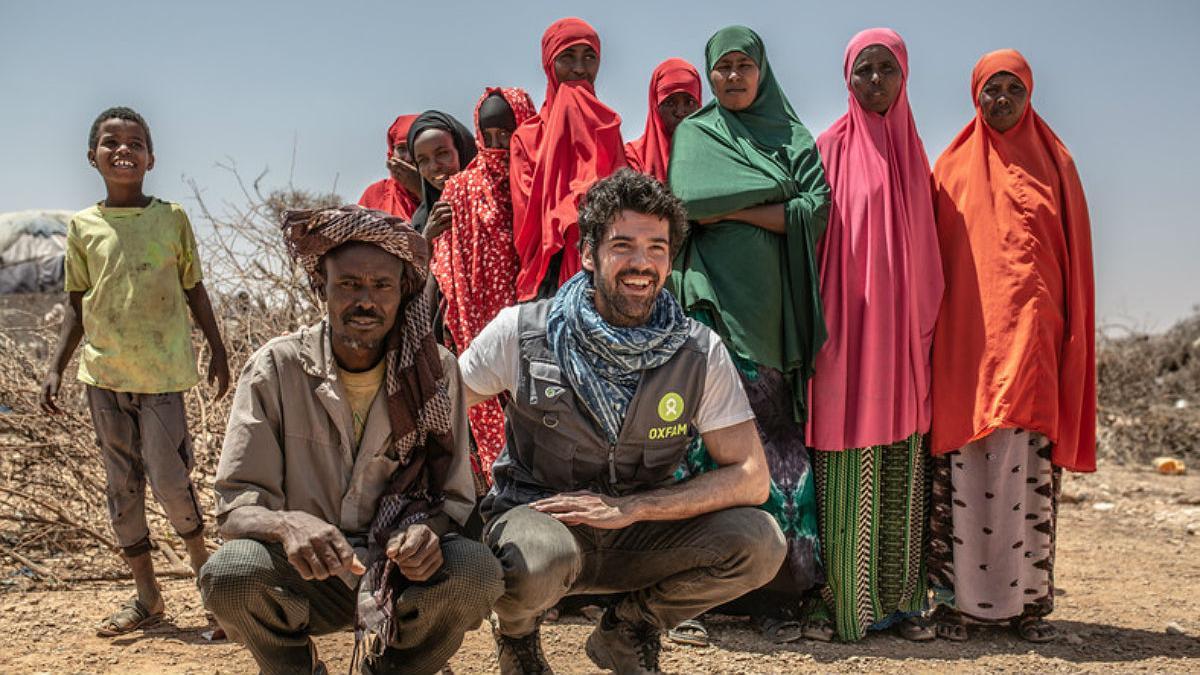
point(345, 472)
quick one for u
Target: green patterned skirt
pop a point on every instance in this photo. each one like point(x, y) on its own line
point(872, 505)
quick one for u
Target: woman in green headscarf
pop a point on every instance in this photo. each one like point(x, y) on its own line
point(751, 178)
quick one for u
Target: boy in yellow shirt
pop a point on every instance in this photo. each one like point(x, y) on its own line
point(132, 273)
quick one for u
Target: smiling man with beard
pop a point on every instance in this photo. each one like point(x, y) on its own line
point(609, 384)
point(345, 471)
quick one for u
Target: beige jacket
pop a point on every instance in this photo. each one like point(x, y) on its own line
point(289, 443)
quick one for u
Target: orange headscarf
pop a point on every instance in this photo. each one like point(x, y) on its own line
point(555, 157)
point(1015, 341)
point(651, 153)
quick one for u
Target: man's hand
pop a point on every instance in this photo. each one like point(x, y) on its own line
point(49, 391)
point(417, 550)
point(588, 508)
point(315, 548)
point(440, 218)
point(218, 373)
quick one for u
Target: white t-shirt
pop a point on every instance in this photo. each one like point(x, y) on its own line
point(492, 364)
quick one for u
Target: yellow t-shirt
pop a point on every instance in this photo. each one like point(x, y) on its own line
point(360, 391)
point(132, 265)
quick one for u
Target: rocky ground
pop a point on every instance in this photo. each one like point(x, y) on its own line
point(1128, 575)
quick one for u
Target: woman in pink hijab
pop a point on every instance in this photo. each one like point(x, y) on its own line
point(881, 286)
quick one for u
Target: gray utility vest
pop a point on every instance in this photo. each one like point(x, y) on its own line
point(553, 445)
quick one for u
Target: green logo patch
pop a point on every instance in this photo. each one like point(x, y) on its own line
point(670, 407)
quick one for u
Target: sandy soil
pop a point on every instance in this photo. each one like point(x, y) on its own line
point(1128, 573)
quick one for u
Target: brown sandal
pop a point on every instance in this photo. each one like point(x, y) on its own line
point(950, 625)
point(1035, 629)
point(132, 615)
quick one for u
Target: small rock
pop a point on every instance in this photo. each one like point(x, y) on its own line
point(1174, 628)
point(1104, 506)
point(1193, 528)
point(1073, 639)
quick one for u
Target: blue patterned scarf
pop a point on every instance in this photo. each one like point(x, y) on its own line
point(604, 363)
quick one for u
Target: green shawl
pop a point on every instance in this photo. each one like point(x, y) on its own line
point(759, 290)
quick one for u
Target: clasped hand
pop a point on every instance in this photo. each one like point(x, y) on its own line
point(417, 551)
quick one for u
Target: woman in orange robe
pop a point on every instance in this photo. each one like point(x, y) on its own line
point(1014, 383)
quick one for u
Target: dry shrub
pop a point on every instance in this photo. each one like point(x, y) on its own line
point(53, 517)
point(1149, 394)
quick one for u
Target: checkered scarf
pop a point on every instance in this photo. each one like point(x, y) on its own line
point(418, 400)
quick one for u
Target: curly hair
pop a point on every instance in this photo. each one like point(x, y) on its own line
point(118, 113)
point(627, 189)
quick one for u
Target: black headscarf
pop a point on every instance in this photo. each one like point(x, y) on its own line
point(496, 113)
point(464, 144)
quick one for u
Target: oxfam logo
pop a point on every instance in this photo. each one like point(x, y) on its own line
point(670, 407)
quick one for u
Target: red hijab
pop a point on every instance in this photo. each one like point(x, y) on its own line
point(651, 153)
point(1015, 341)
point(572, 142)
point(388, 195)
point(475, 263)
point(881, 272)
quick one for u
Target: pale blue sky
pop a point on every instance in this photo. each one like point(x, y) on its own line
point(240, 80)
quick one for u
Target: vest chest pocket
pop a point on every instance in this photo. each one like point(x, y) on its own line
point(549, 402)
point(547, 388)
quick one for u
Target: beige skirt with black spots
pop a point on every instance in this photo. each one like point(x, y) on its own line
point(994, 513)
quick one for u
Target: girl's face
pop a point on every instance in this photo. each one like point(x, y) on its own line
point(435, 156)
point(577, 62)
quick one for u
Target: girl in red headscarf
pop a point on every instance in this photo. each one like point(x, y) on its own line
point(1014, 379)
point(572, 142)
point(674, 94)
point(398, 194)
point(474, 262)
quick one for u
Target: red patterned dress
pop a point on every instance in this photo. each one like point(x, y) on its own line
point(475, 263)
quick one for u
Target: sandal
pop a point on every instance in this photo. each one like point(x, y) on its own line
point(778, 631)
point(916, 629)
point(1035, 629)
point(690, 632)
point(950, 625)
point(132, 615)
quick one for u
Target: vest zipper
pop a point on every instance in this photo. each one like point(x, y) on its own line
point(612, 465)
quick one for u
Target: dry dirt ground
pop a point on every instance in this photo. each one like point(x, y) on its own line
point(1128, 571)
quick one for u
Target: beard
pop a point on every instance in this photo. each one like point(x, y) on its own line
point(357, 340)
point(625, 311)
